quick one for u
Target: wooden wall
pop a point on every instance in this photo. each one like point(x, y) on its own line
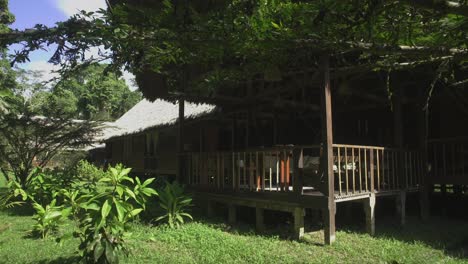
point(131, 150)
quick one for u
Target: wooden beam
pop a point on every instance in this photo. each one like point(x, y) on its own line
point(327, 143)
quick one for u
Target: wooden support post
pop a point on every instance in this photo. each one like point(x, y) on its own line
point(260, 219)
point(398, 138)
point(275, 128)
point(232, 214)
point(248, 122)
point(233, 134)
point(424, 184)
point(369, 210)
point(287, 170)
point(397, 119)
point(401, 207)
point(180, 143)
point(327, 143)
point(298, 222)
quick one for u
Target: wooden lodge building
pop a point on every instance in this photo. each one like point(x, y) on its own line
point(309, 139)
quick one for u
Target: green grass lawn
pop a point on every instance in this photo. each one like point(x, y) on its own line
point(440, 241)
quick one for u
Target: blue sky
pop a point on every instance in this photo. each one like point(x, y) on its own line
point(31, 12)
point(47, 12)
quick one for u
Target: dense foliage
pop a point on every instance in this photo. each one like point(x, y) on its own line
point(7, 75)
point(101, 211)
point(213, 43)
point(88, 93)
point(28, 140)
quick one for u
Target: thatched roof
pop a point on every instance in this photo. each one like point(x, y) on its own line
point(146, 115)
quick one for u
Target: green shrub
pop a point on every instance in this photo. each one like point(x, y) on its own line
point(175, 203)
point(43, 186)
point(102, 212)
point(48, 218)
point(87, 172)
point(106, 213)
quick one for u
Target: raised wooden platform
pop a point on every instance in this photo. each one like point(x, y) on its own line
point(295, 204)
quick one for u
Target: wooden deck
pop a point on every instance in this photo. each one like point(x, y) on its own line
point(357, 170)
point(290, 178)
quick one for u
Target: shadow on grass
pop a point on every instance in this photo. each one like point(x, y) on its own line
point(448, 235)
point(61, 260)
point(280, 227)
point(20, 210)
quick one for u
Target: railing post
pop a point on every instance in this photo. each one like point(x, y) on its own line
point(371, 168)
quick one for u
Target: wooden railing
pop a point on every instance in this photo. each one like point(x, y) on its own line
point(254, 170)
point(357, 169)
point(448, 159)
point(364, 169)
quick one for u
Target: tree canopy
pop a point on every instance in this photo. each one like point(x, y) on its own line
point(7, 75)
point(226, 41)
point(89, 93)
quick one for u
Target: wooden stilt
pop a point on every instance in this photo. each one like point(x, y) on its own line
point(232, 214)
point(298, 222)
point(424, 202)
point(369, 210)
point(260, 219)
point(209, 209)
point(401, 207)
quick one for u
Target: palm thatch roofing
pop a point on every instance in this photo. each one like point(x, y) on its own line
point(147, 115)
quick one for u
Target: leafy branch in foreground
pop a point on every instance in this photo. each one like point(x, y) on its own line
point(230, 38)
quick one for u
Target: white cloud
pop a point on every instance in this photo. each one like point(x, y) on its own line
point(130, 80)
point(46, 69)
point(71, 7)
point(48, 72)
